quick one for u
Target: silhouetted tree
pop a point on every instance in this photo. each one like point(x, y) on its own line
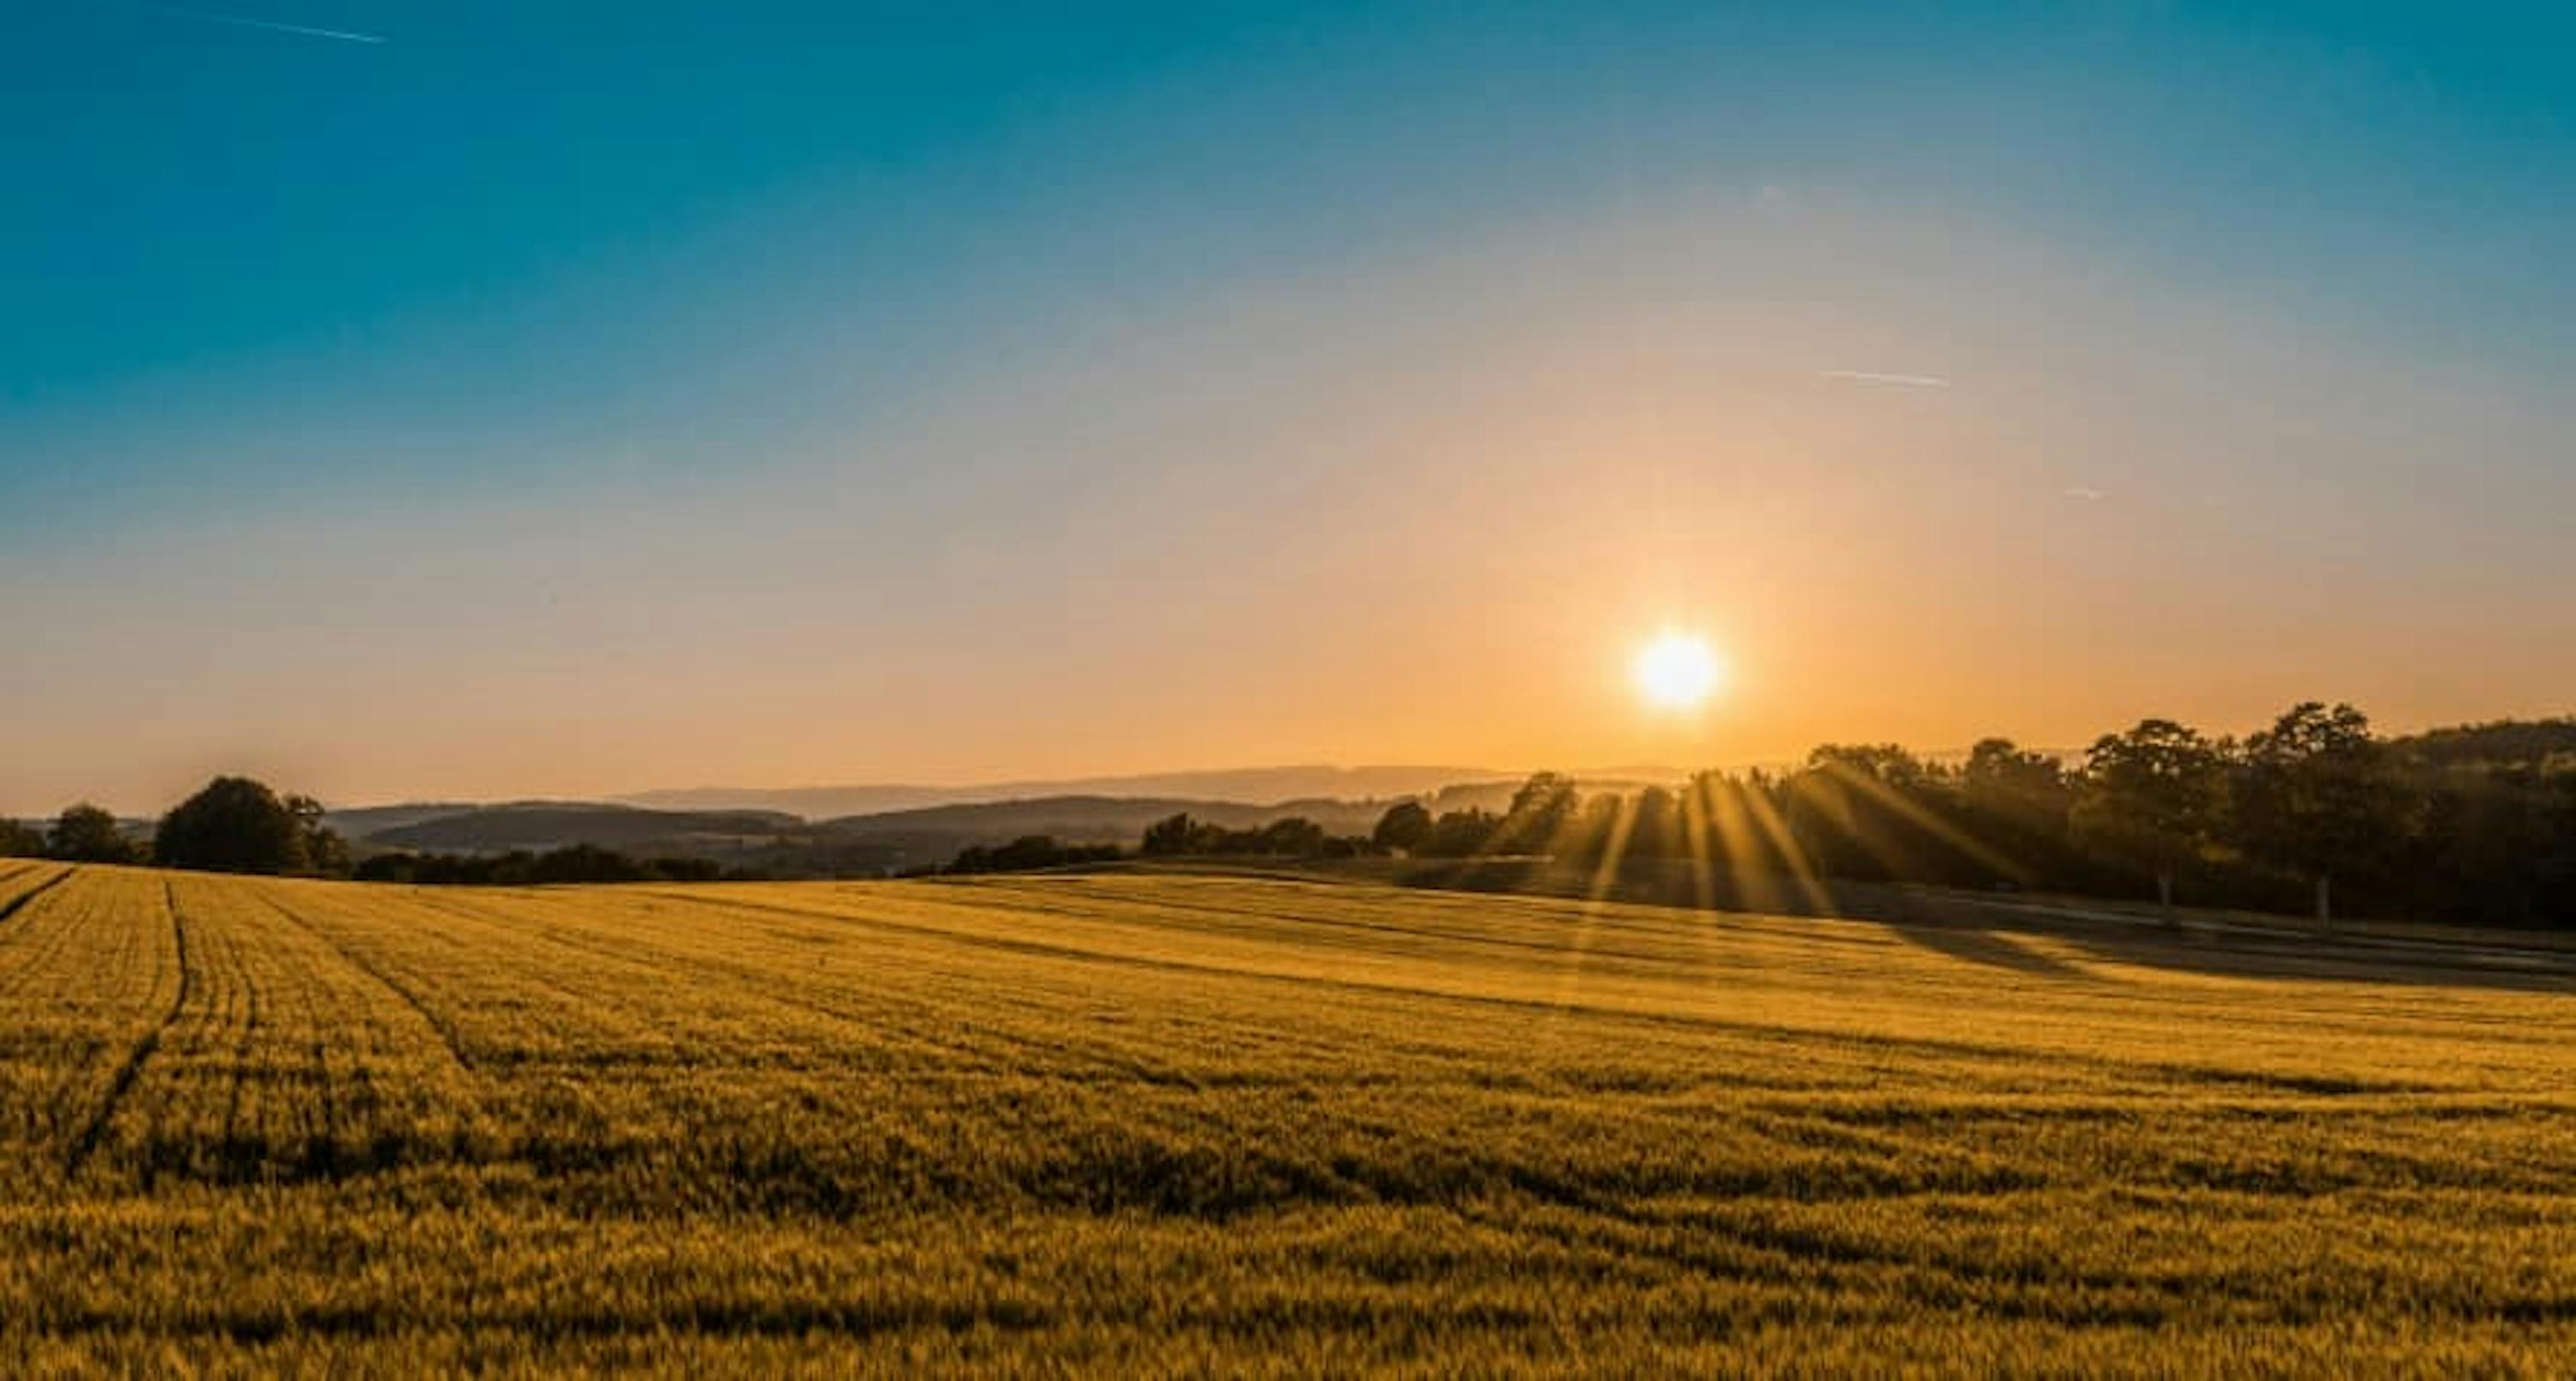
point(1459, 834)
point(326, 854)
point(2494, 842)
point(20, 840)
point(234, 825)
point(1880, 762)
point(387, 867)
point(2150, 798)
point(1735, 822)
point(1874, 810)
point(2002, 780)
point(88, 834)
point(1292, 836)
point(2317, 796)
point(1168, 836)
point(1404, 826)
point(1655, 826)
point(1540, 810)
point(2476, 823)
point(1028, 852)
point(1596, 832)
point(587, 863)
point(687, 869)
point(2016, 803)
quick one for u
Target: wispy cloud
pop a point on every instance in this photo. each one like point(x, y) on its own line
point(243, 21)
point(1871, 376)
point(2084, 492)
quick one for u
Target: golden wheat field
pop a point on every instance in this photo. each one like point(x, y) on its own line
point(1138, 1124)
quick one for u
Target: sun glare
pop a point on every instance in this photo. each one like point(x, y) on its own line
point(1678, 671)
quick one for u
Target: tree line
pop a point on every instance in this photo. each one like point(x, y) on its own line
point(2315, 812)
point(2312, 812)
point(2475, 824)
point(522, 868)
point(233, 825)
point(238, 825)
point(1174, 836)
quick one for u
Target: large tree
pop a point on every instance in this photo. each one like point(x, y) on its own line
point(2004, 780)
point(1169, 836)
point(1404, 826)
point(1655, 830)
point(2014, 802)
point(1292, 836)
point(2150, 798)
point(1541, 810)
point(234, 825)
point(325, 852)
point(1875, 811)
point(2320, 796)
point(1459, 834)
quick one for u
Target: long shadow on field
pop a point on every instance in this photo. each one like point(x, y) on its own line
point(1990, 948)
point(2321, 958)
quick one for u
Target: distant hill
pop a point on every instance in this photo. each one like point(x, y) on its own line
point(2503, 742)
point(778, 839)
point(1093, 819)
point(549, 825)
point(730, 824)
point(857, 844)
point(836, 830)
point(362, 821)
point(1245, 786)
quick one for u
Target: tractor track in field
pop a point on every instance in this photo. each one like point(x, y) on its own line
point(85, 1145)
point(761, 982)
point(439, 1026)
point(594, 1007)
point(243, 1045)
point(31, 946)
point(20, 902)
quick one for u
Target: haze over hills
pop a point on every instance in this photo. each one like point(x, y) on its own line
point(1230, 796)
point(545, 825)
point(1244, 786)
point(768, 830)
point(779, 841)
point(913, 820)
point(852, 845)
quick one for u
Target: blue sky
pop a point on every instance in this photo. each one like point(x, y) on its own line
point(649, 270)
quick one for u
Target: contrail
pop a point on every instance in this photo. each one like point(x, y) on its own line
point(273, 26)
point(1871, 377)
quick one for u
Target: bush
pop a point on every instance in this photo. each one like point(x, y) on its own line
point(88, 834)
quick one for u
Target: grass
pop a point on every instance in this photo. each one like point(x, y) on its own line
point(1184, 1124)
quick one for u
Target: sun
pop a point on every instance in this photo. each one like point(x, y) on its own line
point(1678, 671)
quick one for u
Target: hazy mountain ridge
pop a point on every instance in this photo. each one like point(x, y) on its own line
point(553, 824)
point(1099, 819)
point(1260, 786)
point(859, 843)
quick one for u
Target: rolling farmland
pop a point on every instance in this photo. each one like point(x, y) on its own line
point(1174, 1123)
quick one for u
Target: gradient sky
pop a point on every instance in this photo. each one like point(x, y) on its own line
point(478, 399)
